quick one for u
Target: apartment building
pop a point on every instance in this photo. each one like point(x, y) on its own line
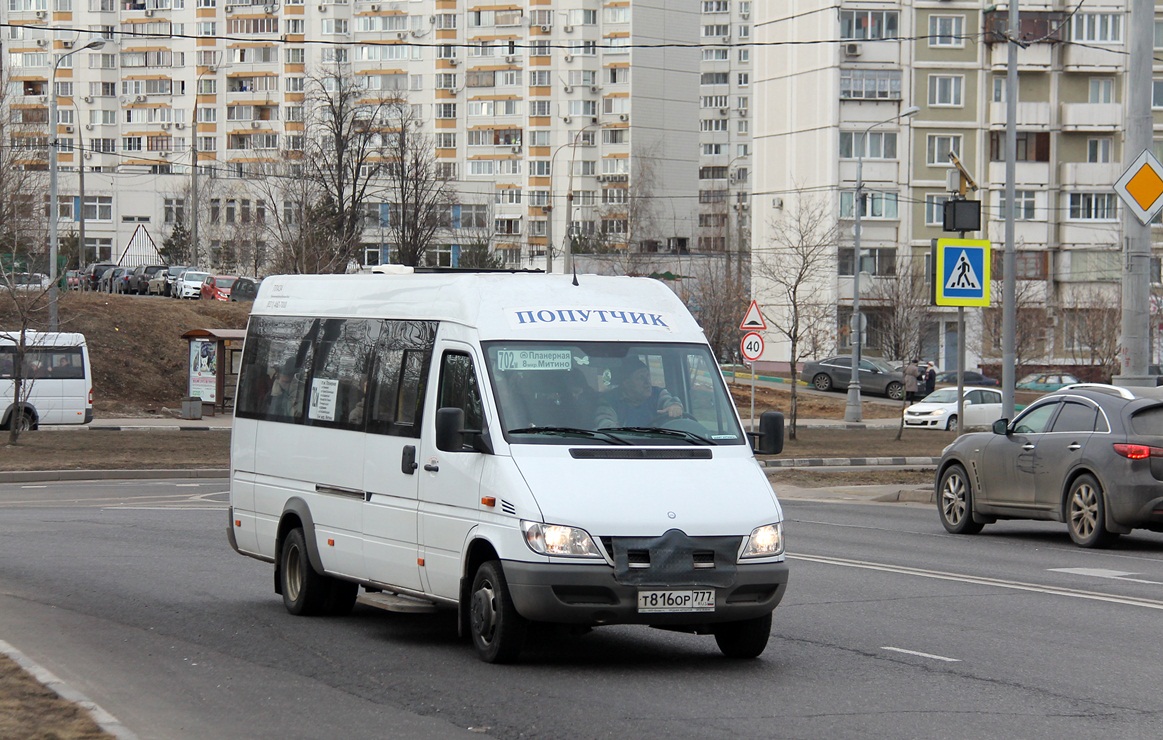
point(832, 85)
point(556, 120)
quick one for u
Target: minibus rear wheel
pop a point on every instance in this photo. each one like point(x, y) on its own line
point(744, 639)
point(305, 592)
point(498, 631)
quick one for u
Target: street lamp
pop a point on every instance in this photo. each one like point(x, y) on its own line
point(568, 250)
point(53, 211)
point(852, 410)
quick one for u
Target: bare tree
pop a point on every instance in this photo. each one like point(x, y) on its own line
point(802, 248)
point(1030, 326)
point(1092, 327)
point(718, 299)
point(14, 366)
point(477, 248)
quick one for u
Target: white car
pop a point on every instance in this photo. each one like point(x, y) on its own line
point(189, 285)
point(938, 410)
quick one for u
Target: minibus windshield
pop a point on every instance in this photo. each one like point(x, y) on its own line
point(611, 393)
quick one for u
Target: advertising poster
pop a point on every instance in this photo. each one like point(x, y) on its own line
point(204, 370)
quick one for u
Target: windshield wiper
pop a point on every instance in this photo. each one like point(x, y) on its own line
point(684, 435)
point(571, 432)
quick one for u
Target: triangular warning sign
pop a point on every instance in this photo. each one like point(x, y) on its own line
point(753, 319)
point(963, 276)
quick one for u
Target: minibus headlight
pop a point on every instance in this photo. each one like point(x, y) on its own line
point(764, 542)
point(559, 541)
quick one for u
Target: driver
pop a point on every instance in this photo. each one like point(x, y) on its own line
point(634, 402)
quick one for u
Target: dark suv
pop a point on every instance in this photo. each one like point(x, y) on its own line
point(1089, 455)
point(140, 277)
point(91, 277)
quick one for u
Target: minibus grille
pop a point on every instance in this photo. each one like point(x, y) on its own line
point(674, 559)
point(639, 453)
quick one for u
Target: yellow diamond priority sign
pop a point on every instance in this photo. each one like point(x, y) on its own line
point(1141, 187)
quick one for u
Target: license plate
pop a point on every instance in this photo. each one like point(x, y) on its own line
point(702, 600)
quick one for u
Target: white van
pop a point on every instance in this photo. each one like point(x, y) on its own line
point(520, 447)
point(57, 383)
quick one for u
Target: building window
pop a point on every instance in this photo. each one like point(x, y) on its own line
point(874, 205)
point(940, 146)
point(1024, 205)
point(1033, 146)
point(945, 90)
point(870, 84)
point(858, 25)
point(877, 144)
point(873, 261)
point(175, 210)
point(947, 31)
point(1097, 28)
point(935, 209)
point(1102, 90)
point(1093, 207)
point(1099, 149)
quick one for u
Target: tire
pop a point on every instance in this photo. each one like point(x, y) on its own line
point(951, 424)
point(822, 382)
point(498, 631)
point(1086, 513)
point(744, 640)
point(955, 502)
point(341, 598)
point(895, 391)
point(305, 592)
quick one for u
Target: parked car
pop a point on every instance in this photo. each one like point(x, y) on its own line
point(1084, 455)
point(116, 280)
point(938, 410)
point(159, 284)
point(189, 285)
point(217, 287)
point(24, 281)
point(73, 279)
point(876, 376)
point(139, 278)
point(1045, 382)
point(969, 377)
point(175, 273)
point(91, 279)
point(245, 289)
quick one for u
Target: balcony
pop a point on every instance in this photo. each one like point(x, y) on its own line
point(1034, 174)
point(1079, 58)
point(1030, 115)
point(1088, 174)
point(1034, 58)
point(1092, 116)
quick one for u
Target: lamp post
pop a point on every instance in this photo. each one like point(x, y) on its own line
point(567, 265)
point(853, 410)
point(53, 212)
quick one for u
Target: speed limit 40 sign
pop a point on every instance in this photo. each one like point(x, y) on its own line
point(752, 346)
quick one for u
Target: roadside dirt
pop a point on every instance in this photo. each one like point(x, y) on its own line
point(30, 710)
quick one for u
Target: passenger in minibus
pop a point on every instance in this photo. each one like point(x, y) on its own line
point(282, 400)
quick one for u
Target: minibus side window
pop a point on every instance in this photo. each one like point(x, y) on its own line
point(401, 366)
point(7, 362)
point(342, 361)
point(275, 364)
point(459, 389)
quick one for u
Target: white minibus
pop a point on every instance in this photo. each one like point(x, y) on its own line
point(56, 386)
point(520, 447)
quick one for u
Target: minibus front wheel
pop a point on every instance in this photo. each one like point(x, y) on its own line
point(498, 631)
point(746, 638)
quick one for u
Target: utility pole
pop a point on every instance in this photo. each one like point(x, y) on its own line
point(194, 180)
point(1136, 338)
point(1009, 310)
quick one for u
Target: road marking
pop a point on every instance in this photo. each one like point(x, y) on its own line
point(1114, 575)
point(921, 655)
point(980, 581)
point(34, 486)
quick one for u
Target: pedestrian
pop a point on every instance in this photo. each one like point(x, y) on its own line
point(930, 378)
point(912, 373)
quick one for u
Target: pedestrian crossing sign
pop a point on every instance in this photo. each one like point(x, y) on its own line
point(962, 274)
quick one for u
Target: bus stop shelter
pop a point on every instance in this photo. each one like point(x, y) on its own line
point(215, 356)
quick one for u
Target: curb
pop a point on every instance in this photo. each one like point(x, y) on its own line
point(33, 476)
point(134, 428)
point(820, 462)
point(104, 720)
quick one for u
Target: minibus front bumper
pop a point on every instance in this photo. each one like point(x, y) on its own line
point(591, 595)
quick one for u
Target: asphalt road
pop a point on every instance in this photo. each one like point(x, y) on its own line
point(129, 592)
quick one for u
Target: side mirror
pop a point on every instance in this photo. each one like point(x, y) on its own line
point(1001, 426)
point(451, 436)
point(450, 429)
point(769, 439)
